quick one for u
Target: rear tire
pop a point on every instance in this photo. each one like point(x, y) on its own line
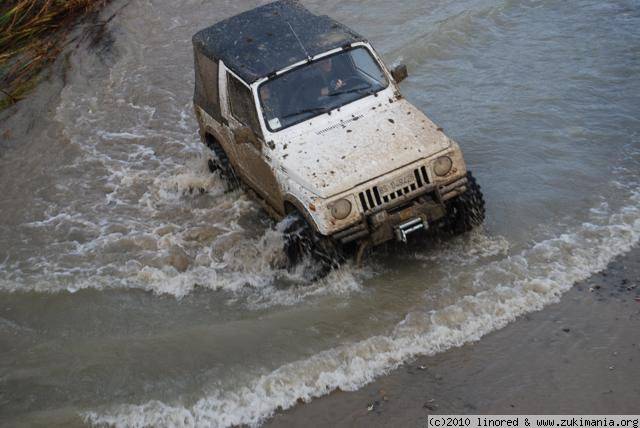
point(467, 211)
point(220, 164)
point(302, 243)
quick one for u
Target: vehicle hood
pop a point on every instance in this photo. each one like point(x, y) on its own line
point(338, 152)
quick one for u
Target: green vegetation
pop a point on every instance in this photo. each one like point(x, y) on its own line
point(32, 35)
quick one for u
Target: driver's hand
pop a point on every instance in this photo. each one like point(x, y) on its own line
point(339, 84)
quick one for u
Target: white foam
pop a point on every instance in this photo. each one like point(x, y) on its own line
point(346, 280)
point(467, 250)
point(120, 135)
point(536, 277)
point(218, 256)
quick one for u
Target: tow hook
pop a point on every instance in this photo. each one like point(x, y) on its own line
point(410, 226)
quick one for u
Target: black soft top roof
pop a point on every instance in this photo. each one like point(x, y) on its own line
point(259, 42)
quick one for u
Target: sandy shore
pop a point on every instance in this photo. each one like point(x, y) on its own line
point(580, 356)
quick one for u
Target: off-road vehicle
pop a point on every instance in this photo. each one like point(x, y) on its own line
point(302, 112)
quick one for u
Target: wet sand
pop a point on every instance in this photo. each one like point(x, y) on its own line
point(579, 356)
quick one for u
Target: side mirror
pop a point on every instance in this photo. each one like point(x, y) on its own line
point(245, 135)
point(399, 73)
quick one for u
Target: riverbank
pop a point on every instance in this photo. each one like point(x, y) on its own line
point(579, 356)
point(34, 34)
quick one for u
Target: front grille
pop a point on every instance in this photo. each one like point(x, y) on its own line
point(372, 199)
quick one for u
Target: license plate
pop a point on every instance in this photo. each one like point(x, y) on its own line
point(397, 183)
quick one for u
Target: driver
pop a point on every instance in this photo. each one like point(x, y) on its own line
point(315, 86)
point(328, 83)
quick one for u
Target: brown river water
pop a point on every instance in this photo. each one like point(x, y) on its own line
point(129, 297)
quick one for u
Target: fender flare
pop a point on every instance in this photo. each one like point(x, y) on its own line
point(291, 202)
point(209, 131)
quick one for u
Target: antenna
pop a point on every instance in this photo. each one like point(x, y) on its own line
point(298, 39)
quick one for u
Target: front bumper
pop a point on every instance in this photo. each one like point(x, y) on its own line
point(399, 221)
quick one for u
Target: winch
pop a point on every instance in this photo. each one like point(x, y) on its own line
point(410, 226)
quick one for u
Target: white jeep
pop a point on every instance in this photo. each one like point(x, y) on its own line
point(302, 111)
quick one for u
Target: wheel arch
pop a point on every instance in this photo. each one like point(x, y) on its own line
point(293, 204)
point(209, 136)
point(215, 141)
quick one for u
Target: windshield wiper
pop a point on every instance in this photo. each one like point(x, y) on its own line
point(306, 110)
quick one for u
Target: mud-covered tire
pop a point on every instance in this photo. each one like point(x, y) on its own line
point(302, 243)
point(220, 164)
point(466, 211)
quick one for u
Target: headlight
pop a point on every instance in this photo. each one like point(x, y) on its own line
point(442, 166)
point(341, 209)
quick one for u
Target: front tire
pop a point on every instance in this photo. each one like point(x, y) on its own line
point(466, 211)
point(302, 244)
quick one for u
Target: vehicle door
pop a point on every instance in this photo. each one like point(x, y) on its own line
point(242, 116)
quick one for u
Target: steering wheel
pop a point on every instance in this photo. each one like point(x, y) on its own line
point(348, 83)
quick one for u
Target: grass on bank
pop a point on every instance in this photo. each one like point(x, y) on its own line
point(32, 35)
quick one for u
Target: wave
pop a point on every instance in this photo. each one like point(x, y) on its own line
point(529, 281)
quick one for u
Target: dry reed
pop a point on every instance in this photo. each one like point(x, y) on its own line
point(32, 35)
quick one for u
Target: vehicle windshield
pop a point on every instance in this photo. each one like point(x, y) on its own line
point(319, 87)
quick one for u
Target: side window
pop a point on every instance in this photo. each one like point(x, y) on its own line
point(242, 106)
point(206, 93)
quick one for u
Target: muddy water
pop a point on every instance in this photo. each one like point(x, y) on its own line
point(130, 296)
